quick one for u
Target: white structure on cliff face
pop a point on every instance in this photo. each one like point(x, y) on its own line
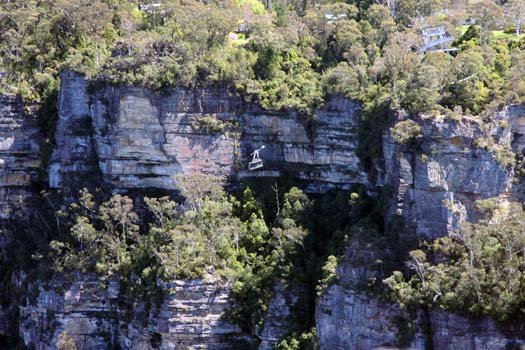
point(256, 162)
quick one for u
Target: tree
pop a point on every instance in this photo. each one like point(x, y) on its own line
point(84, 232)
point(197, 187)
point(381, 19)
point(479, 270)
point(163, 209)
point(467, 81)
point(515, 10)
point(424, 88)
point(489, 16)
point(393, 6)
point(397, 65)
point(103, 237)
point(120, 227)
point(515, 86)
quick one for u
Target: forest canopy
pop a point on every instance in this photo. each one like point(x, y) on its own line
point(282, 54)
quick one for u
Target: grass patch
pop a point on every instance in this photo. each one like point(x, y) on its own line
point(500, 34)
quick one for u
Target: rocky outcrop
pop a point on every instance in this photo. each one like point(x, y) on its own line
point(136, 138)
point(19, 154)
point(20, 170)
point(453, 332)
point(351, 320)
point(347, 319)
point(74, 159)
point(91, 312)
point(451, 165)
point(190, 316)
point(517, 118)
point(516, 115)
point(85, 310)
point(276, 323)
point(350, 317)
point(436, 178)
point(130, 138)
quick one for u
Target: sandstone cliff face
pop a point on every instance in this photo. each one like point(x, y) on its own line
point(436, 185)
point(74, 157)
point(131, 138)
point(452, 332)
point(190, 316)
point(349, 317)
point(85, 310)
point(19, 154)
point(276, 322)
point(138, 139)
point(436, 182)
point(19, 170)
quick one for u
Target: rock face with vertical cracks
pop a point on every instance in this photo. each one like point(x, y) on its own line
point(130, 138)
point(136, 138)
point(19, 154)
point(92, 313)
point(349, 317)
point(437, 181)
point(19, 171)
point(278, 316)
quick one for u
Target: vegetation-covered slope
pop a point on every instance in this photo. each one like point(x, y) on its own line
point(289, 55)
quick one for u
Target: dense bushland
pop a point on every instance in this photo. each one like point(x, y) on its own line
point(255, 239)
point(479, 270)
point(291, 55)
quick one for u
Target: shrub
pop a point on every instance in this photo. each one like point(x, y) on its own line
point(478, 271)
point(405, 131)
point(210, 124)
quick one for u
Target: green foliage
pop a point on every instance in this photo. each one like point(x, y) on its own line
point(303, 341)
point(292, 56)
point(294, 60)
point(210, 124)
point(471, 34)
point(183, 245)
point(255, 6)
point(284, 80)
point(405, 131)
point(102, 237)
point(178, 244)
point(480, 270)
point(470, 78)
point(306, 231)
point(329, 274)
point(515, 85)
point(212, 230)
point(270, 254)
